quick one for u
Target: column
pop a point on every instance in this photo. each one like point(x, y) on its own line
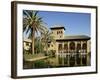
point(57, 54)
point(81, 52)
point(87, 54)
point(75, 53)
point(68, 53)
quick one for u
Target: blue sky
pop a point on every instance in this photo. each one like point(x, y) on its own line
point(75, 23)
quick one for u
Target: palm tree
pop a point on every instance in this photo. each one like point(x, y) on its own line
point(32, 23)
point(47, 38)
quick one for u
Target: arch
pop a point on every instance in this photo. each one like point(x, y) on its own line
point(59, 48)
point(84, 46)
point(78, 47)
point(65, 47)
point(72, 46)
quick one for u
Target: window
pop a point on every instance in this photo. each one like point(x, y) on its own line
point(57, 32)
point(72, 46)
point(61, 32)
point(48, 45)
point(60, 46)
point(84, 46)
point(65, 47)
point(78, 46)
point(27, 44)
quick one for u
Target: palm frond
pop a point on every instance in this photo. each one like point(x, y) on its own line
point(35, 13)
point(28, 29)
point(26, 13)
point(30, 34)
point(32, 21)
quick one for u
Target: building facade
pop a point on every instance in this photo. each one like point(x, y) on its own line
point(75, 48)
point(27, 44)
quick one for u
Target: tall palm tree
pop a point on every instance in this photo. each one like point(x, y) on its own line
point(32, 23)
point(46, 39)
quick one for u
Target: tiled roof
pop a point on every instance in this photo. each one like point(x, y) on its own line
point(75, 37)
point(58, 27)
point(27, 40)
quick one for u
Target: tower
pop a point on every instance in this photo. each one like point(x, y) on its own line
point(57, 31)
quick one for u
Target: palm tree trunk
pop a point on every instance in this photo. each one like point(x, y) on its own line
point(33, 38)
point(47, 48)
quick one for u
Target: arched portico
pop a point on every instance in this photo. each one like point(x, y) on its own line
point(73, 52)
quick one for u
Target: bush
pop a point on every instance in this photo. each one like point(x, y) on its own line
point(51, 53)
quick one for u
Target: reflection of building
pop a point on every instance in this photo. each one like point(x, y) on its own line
point(75, 45)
